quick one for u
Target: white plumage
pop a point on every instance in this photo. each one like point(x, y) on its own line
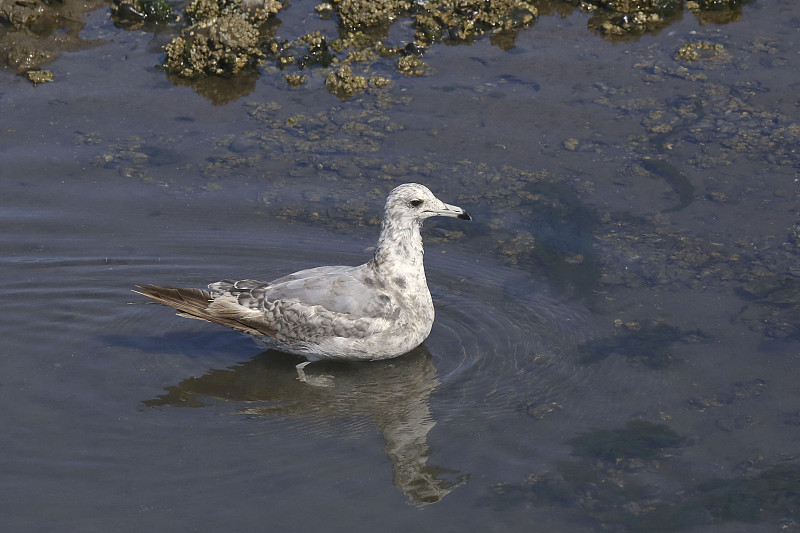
point(377, 310)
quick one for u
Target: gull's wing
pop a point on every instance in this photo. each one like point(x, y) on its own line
point(310, 306)
point(337, 289)
point(299, 310)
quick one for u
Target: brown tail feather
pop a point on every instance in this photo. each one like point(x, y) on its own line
point(192, 303)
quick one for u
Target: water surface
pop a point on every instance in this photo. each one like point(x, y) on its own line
point(594, 288)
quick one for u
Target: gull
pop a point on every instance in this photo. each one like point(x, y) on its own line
point(378, 310)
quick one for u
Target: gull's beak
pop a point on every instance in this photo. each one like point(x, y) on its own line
point(450, 211)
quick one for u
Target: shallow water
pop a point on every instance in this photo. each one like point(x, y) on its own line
point(120, 416)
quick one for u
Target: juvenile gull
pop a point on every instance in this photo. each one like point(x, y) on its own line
point(377, 310)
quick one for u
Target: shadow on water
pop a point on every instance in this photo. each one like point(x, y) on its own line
point(393, 395)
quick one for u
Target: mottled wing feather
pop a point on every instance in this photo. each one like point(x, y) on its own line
point(351, 291)
point(296, 322)
point(345, 290)
point(304, 307)
point(195, 303)
point(309, 305)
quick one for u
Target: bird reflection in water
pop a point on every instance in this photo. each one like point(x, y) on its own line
point(393, 394)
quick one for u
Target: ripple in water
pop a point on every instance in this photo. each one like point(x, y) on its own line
point(489, 352)
point(499, 343)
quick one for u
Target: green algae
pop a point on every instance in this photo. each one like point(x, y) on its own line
point(648, 344)
point(774, 493)
point(605, 484)
point(772, 308)
point(638, 440)
point(775, 290)
point(608, 485)
point(739, 391)
point(683, 188)
point(771, 495)
point(559, 239)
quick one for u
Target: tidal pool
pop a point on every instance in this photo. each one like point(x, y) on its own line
point(617, 330)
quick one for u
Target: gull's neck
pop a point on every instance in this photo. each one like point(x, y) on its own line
point(399, 248)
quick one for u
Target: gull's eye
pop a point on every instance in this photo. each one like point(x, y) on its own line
point(415, 203)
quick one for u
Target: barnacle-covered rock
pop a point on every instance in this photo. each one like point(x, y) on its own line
point(411, 66)
point(224, 37)
point(631, 18)
point(700, 50)
point(358, 13)
point(716, 11)
point(39, 76)
point(223, 45)
point(252, 10)
point(344, 84)
point(319, 52)
point(466, 20)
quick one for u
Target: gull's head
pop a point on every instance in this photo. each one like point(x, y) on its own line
point(412, 202)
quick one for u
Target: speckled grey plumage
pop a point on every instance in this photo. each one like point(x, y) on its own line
point(377, 310)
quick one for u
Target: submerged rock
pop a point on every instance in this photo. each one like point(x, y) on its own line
point(136, 13)
point(639, 439)
point(33, 33)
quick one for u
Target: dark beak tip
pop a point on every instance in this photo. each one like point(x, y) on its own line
point(465, 216)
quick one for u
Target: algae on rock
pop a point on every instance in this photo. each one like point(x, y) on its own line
point(223, 39)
